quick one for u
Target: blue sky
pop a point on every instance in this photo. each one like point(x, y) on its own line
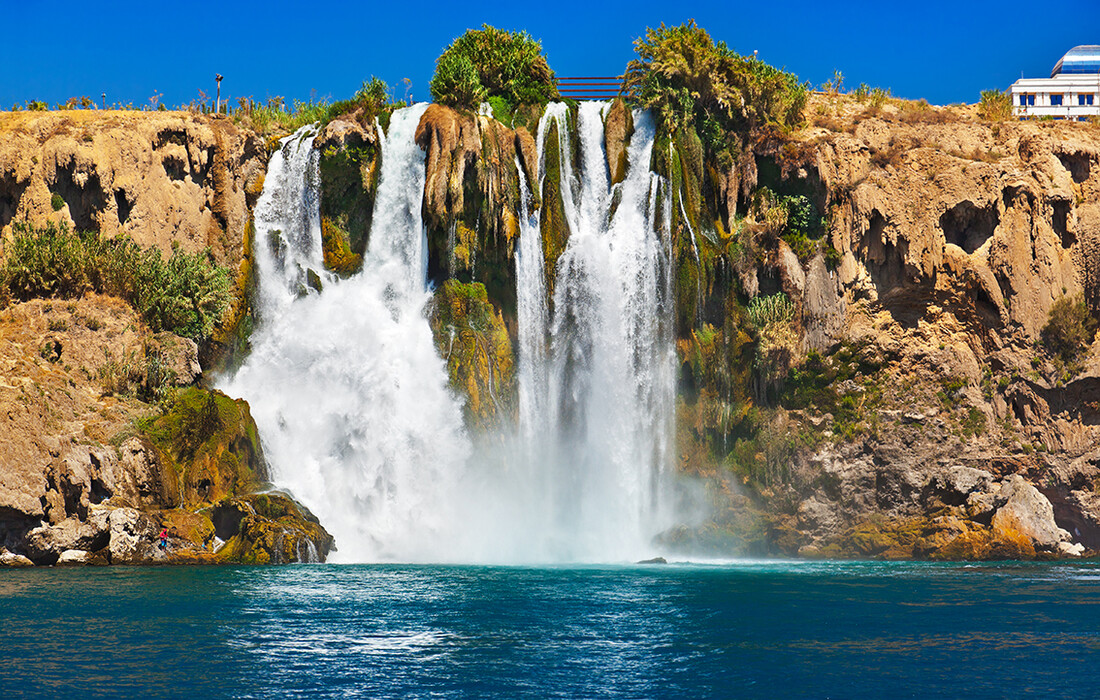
point(942, 51)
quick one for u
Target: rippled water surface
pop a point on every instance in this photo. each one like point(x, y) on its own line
point(748, 629)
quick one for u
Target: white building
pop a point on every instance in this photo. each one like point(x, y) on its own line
point(1071, 92)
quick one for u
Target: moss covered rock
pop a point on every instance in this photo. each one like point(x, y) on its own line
point(210, 444)
point(552, 223)
point(269, 528)
point(471, 336)
point(336, 247)
point(618, 128)
point(471, 198)
point(350, 166)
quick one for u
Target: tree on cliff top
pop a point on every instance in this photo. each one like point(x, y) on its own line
point(491, 62)
point(689, 80)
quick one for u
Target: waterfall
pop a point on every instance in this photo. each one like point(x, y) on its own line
point(346, 387)
point(531, 315)
point(611, 361)
point(288, 224)
point(351, 397)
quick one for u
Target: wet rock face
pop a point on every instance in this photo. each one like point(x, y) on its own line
point(161, 178)
point(269, 529)
point(471, 196)
point(470, 335)
point(257, 529)
point(210, 445)
point(618, 128)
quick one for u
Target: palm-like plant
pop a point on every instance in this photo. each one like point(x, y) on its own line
point(690, 80)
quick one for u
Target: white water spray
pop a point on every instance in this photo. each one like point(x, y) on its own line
point(348, 392)
point(351, 397)
point(611, 365)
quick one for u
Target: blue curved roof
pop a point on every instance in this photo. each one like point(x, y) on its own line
point(1079, 60)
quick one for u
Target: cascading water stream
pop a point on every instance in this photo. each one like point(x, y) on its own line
point(612, 363)
point(351, 396)
point(346, 386)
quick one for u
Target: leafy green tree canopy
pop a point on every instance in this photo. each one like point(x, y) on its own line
point(491, 62)
point(689, 80)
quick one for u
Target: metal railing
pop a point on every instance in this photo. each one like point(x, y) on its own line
point(590, 88)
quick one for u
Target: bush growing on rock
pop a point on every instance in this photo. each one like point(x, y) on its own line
point(185, 294)
point(995, 105)
point(491, 62)
point(773, 319)
point(371, 100)
point(688, 80)
point(1070, 329)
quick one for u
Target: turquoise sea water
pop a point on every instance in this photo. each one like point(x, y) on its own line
point(751, 629)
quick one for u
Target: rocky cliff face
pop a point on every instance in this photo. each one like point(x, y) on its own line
point(161, 178)
point(955, 238)
point(899, 402)
point(906, 393)
point(101, 444)
point(92, 466)
point(912, 353)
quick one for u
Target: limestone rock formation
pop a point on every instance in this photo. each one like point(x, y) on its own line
point(618, 128)
point(471, 195)
point(921, 405)
point(89, 471)
point(1027, 512)
point(917, 415)
point(472, 339)
point(162, 178)
point(269, 529)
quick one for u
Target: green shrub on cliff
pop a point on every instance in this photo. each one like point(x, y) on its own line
point(372, 99)
point(275, 117)
point(995, 105)
point(185, 294)
point(1070, 330)
point(774, 321)
point(691, 81)
point(491, 62)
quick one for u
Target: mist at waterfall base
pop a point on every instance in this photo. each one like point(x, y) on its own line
point(351, 396)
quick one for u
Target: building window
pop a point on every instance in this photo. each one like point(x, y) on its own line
point(1055, 100)
point(1031, 100)
point(1083, 100)
point(1026, 99)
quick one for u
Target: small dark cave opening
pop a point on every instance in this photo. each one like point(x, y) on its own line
point(1060, 223)
point(1079, 165)
point(969, 226)
point(124, 205)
